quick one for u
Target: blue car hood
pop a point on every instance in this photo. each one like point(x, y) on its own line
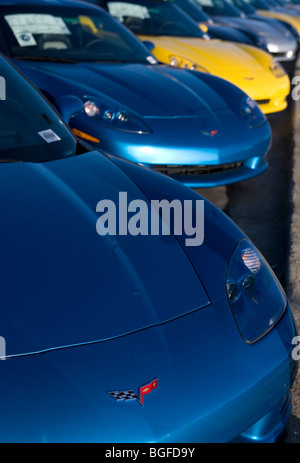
point(64, 284)
point(150, 91)
point(262, 28)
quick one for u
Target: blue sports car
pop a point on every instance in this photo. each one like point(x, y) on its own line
point(110, 332)
point(195, 127)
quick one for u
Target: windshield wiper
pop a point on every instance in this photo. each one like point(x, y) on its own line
point(9, 160)
point(53, 59)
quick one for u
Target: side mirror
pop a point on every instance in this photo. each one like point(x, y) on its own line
point(68, 106)
point(149, 45)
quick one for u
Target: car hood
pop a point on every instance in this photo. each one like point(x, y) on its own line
point(269, 32)
point(292, 11)
point(62, 283)
point(289, 18)
point(227, 33)
point(273, 22)
point(213, 55)
point(150, 91)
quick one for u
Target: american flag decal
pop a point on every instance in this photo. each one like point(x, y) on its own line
point(129, 394)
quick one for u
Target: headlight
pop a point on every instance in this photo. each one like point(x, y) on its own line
point(256, 298)
point(277, 70)
point(174, 61)
point(91, 109)
point(251, 112)
point(273, 48)
point(186, 64)
point(114, 117)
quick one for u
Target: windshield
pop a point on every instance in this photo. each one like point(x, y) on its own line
point(29, 129)
point(193, 9)
point(246, 8)
point(68, 34)
point(273, 3)
point(219, 8)
point(259, 4)
point(154, 18)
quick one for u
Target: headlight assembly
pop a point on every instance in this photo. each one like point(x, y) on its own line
point(251, 112)
point(256, 297)
point(273, 48)
point(114, 117)
point(183, 63)
point(174, 61)
point(277, 70)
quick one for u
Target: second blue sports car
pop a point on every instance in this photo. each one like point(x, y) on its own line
point(196, 127)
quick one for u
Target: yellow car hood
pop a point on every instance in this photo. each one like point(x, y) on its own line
point(214, 55)
point(245, 66)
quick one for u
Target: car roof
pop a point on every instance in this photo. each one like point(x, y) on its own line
point(47, 2)
point(71, 3)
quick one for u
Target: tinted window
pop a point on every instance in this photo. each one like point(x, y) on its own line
point(246, 8)
point(29, 129)
point(259, 4)
point(192, 8)
point(68, 34)
point(154, 18)
point(218, 8)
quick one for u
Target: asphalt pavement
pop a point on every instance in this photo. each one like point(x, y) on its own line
point(293, 273)
point(267, 209)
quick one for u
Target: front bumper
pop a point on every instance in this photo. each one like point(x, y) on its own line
point(283, 50)
point(269, 92)
point(285, 56)
point(213, 176)
point(204, 161)
point(273, 105)
point(271, 427)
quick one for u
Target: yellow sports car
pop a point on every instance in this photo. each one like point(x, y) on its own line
point(174, 38)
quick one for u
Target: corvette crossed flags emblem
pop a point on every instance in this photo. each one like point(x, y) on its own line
point(129, 394)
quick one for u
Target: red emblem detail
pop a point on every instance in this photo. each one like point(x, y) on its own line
point(147, 389)
point(210, 133)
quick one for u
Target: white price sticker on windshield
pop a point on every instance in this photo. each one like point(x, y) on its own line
point(25, 25)
point(49, 136)
point(151, 59)
point(120, 9)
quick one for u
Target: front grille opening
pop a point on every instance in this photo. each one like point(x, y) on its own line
point(282, 55)
point(171, 170)
point(262, 101)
